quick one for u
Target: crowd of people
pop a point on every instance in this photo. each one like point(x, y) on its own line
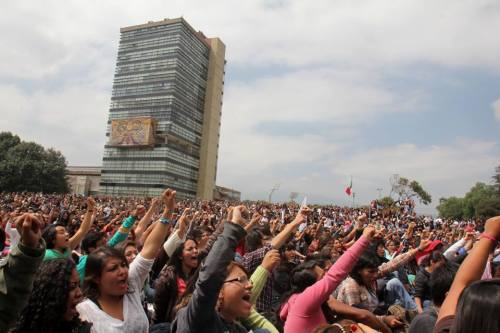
point(106, 264)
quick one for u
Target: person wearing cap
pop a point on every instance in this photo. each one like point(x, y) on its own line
point(423, 293)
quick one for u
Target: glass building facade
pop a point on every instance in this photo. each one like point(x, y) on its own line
point(162, 72)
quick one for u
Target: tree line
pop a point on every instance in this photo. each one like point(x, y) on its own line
point(27, 166)
point(481, 202)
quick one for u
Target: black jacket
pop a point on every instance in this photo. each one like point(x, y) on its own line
point(200, 314)
point(422, 285)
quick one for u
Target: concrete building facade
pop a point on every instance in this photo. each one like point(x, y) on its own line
point(164, 117)
point(84, 180)
point(226, 194)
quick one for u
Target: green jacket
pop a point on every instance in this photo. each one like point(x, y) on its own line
point(17, 272)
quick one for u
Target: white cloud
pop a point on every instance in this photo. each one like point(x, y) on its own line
point(70, 120)
point(307, 96)
point(496, 109)
point(57, 63)
point(44, 35)
point(443, 170)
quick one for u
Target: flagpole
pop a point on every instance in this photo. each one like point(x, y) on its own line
point(353, 194)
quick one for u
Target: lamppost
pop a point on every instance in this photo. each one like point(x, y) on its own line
point(274, 189)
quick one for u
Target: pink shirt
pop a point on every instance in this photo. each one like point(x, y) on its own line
point(302, 312)
point(181, 287)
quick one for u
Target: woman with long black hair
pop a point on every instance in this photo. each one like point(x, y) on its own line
point(360, 289)
point(171, 283)
point(113, 289)
point(52, 304)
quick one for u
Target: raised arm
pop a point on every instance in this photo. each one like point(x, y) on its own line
point(473, 266)
point(281, 238)
point(402, 259)
point(261, 273)
point(160, 231)
point(211, 241)
point(351, 235)
point(18, 271)
point(178, 236)
point(213, 271)
point(114, 221)
point(409, 231)
point(85, 226)
point(450, 252)
point(146, 219)
point(311, 299)
point(122, 233)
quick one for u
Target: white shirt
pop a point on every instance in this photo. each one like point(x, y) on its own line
point(135, 320)
point(13, 234)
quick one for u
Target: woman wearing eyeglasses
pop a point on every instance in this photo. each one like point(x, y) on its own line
point(223, 290)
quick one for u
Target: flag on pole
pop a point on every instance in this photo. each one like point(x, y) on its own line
point(348, 189)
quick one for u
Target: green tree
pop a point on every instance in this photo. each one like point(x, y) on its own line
point(386, 202)
point(27, 166)
point(488, 208)
point(418, 190)
point(7, 141)
point(451, 208)
point(477, 195)
point(406, 188)
point(496, 180)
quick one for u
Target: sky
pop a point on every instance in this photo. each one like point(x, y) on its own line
point(316, 92)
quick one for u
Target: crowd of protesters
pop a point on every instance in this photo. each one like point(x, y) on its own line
point(103, 265)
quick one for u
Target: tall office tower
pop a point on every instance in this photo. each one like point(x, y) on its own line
point(164, 118)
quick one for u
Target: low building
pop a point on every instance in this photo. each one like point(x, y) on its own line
point(84, 180)
point(226, 194)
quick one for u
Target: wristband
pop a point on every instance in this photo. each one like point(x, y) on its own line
point(164, 220)
point(489, 237)
point(124, 229)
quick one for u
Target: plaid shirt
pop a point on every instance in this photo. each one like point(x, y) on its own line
point(251, 261)
point(394, 264)
point(351, 293)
